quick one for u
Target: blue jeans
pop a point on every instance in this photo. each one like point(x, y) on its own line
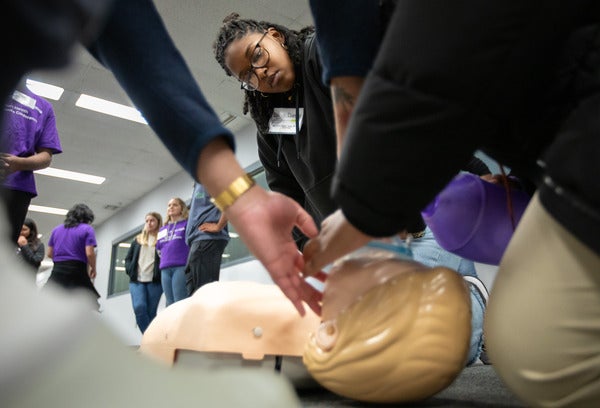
point(144, 298)
point(173, 283)
point(427, 251)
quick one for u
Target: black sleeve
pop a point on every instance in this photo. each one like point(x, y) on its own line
point(477, 166)
point(165, 90)
point(280, 177)
point(34, 258)
point(278, 174)
point(130, 263)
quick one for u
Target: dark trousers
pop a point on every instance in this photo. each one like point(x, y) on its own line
point(73, 275)
point(17, 204)
point(204, 263)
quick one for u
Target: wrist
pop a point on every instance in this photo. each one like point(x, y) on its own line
point(235, 190)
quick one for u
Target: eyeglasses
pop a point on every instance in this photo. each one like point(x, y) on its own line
point(259, 59)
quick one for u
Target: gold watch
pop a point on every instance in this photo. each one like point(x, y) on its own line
point(237, 187)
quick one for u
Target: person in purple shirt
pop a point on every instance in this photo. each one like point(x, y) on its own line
point(173, 251)
point(28, 140)
point(72, 248)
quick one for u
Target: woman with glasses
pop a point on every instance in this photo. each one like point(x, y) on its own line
point(280, 73)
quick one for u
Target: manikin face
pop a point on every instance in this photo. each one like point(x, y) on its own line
point(174, 208)
point(25, 231)
point(151, 224)
point(277, 75)
point(392, 331)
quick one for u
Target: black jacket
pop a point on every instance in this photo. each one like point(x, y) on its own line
point(302, 166)
point(33, 257)
point(131, 263)
point(519, 81)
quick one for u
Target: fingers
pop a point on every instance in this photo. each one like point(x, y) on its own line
point(311, 250)
point(306, 224)
point(320, 275)
point(312, 297)
point(290, 284)
point(295, 296)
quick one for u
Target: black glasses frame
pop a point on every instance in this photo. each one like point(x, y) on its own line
point(247, 85)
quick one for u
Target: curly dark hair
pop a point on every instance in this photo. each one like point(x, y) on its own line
point(259, 105)
point(79, 214)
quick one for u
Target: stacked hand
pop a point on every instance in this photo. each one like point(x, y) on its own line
point(337, 238)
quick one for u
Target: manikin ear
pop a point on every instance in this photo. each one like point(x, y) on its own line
point(276, 35)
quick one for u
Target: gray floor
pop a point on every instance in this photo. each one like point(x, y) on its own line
point(476, 386)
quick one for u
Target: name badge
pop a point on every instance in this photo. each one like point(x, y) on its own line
point(283, 120)
point(161, 234)
point(24, 99)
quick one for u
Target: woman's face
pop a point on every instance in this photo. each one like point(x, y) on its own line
point(277, 75)
point(174, 208)
point(25, 231)
point(151, 224)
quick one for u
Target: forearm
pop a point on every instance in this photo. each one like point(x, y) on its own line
point(344, 93)
point(37, 161)
point(222, 221)
point(217, 167)
point(91, 261)
point(174, 105)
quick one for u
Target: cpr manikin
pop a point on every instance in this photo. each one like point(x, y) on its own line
point(392, 329)
point(238, 323)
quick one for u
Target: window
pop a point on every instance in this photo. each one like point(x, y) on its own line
point(118, 281)
point(235, 252)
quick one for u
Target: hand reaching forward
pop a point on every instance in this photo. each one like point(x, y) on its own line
point(265, 221)
point(337, 238)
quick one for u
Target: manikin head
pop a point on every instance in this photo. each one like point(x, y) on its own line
point(392, 331)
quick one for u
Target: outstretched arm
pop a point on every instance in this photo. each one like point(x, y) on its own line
point(264, 221)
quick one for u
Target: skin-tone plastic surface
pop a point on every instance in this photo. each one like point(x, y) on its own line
point(393, 330)
point(246, 318)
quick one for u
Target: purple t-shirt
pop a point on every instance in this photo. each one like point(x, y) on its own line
point(170, 242)
point(29, 125)
point(68, 244)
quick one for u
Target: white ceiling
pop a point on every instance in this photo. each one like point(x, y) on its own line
point(129, 154)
